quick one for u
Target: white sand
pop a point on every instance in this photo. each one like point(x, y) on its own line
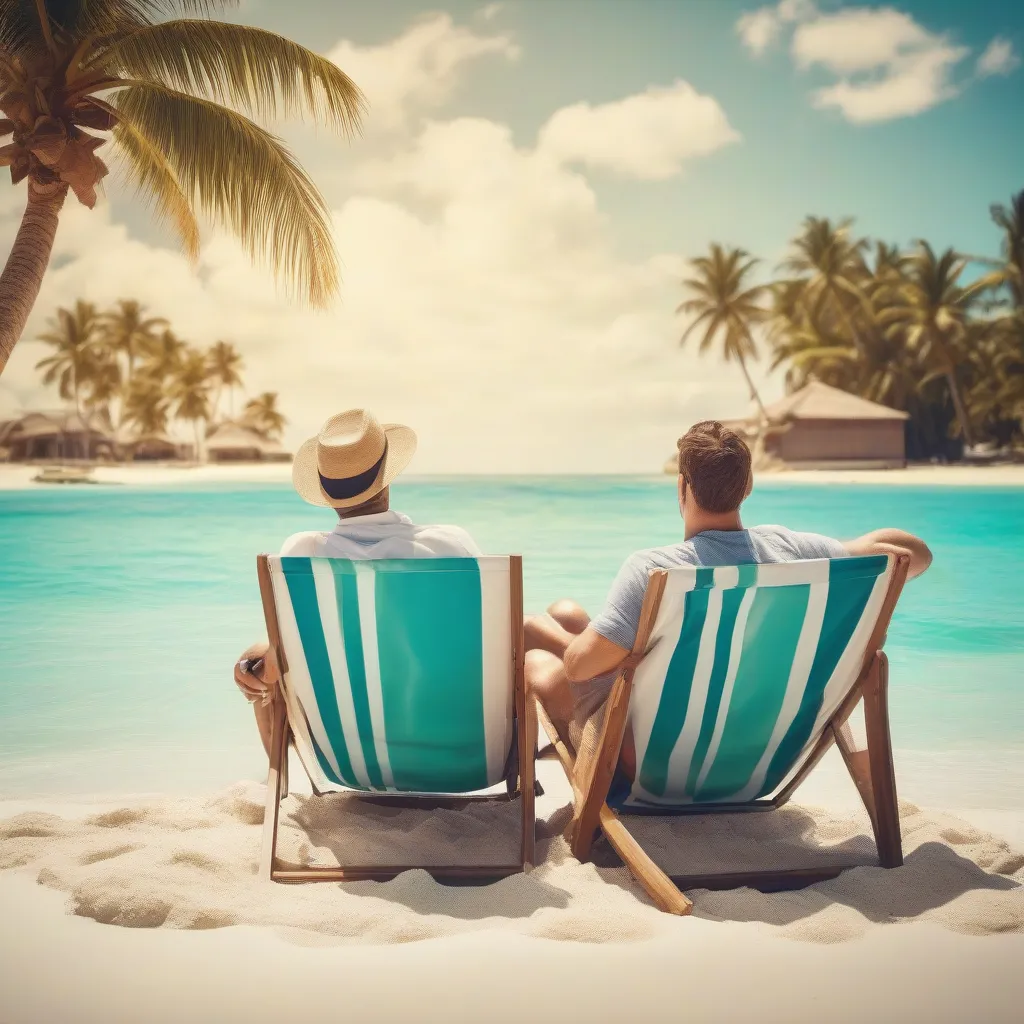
point(926, 476)
point(19, 477)
point(187, 866)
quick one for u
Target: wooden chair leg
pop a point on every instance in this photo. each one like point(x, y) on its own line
point(857, 764)
point(527, 770)
point(656, 883)
point(278, 750)
point(284, 761)
point(883, 777)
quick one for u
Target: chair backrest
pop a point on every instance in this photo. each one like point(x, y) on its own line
point(746, 666)
point(399, 672)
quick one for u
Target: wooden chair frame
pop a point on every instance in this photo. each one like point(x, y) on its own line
point(519, 776)
point(871, 770)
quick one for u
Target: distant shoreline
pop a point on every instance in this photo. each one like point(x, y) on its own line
point(16, 477)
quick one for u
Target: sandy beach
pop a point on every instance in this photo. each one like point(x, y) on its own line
point(109, 907)
point(147, 907)
point(18, 477)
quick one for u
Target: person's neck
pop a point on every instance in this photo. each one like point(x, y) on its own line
point(700, 521)
point(379, 503)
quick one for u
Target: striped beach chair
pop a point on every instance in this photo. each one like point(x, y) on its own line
point(399, 676)
point(740, 680)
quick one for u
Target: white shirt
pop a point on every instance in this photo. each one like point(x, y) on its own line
point(382, 535)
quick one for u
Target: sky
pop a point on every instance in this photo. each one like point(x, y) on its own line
point(515, 220)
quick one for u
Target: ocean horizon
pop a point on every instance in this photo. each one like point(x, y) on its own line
point(125, 607)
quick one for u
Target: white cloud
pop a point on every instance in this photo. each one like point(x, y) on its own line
point(648, 136)
point(912, 84)
point(417, 71)
point(886, 64)
point(483, 303)
point(759, 29)
point(858, 39)
point(999, 58)
point(489, 12)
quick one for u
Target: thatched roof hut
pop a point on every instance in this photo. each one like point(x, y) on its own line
point(233, 442)
point(158, 447)
point(59, 434)
point(822, 427)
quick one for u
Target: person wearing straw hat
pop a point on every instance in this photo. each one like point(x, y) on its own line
point(349, 466)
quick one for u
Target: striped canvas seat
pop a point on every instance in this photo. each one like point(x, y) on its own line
point(739, 681)
point(399, 671)
point(399, 676)
point(747, 664)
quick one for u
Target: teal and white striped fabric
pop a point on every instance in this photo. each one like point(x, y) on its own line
point(747, 666)
point(400, 673)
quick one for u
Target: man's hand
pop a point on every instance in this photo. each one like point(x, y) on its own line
point(261, 684)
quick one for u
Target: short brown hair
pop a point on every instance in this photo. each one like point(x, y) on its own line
point(715, 463)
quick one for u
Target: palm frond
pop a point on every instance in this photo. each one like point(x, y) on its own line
point(246, 67)
point(21, 31)
point(236, 172)
point(158, 184)
point(706, 315)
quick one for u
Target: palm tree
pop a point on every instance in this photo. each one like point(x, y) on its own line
point(129, 332)
point(190, 392)
point(726, 308)
point(262, 415)
point(103, 384)
point(164, 356)
point(147, 407)
point(225, 366)
point(830, 265)
point(73, 333)
point(932, 312)
point(1009, 272)
point(168, 93)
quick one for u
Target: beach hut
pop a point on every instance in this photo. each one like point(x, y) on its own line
point(57, 435)
point(158, 447)
point(233, 442)
point(822, 427)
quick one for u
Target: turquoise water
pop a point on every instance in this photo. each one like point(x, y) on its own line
point(124, 608)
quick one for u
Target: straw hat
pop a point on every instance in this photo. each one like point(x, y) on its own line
point(352, 458)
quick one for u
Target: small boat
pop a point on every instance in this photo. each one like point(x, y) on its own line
point(65, 475)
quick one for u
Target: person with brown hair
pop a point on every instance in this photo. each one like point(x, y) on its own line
point(571, 660)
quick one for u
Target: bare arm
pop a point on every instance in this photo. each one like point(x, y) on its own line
point(259, 688)
point(893, 542)
point(590, 655)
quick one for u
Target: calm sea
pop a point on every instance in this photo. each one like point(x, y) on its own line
point(123, 608)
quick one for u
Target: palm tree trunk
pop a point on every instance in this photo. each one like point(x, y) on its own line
point(753, 391)
point(958, 405)
point(81, 418)
point(762, 420)
point(22, 276)
point(858, 344)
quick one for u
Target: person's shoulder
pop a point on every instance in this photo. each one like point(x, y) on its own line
point(771, 530)
point(665, 556)
point(301, 545)
point(449, 540)
point(668, 556)
point(797, 544)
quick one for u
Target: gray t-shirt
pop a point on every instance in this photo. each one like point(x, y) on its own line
point(620, 616)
